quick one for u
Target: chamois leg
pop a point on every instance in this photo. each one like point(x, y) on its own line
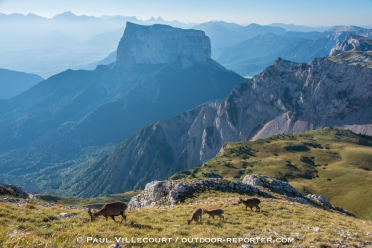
point(258, 208)
point(124, 217)
point(251, 208)
point(113, 217)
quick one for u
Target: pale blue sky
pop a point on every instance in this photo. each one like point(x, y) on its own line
point(311, 12)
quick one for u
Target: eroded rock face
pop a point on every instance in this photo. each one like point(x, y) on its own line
point(161, 44)
point(15, 190)
point(351, 42)
point(166, 194)
point(272, 184)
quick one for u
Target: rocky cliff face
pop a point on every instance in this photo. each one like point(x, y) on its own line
point(161, 44)
point(286, 98)
point(355, 50)
point(352, 42)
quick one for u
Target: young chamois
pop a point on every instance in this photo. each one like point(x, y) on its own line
point(196, 215)
point(110, 210)
point(252, 202)
point(214, 212)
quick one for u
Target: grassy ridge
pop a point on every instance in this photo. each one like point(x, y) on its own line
point(30, 225)
point(329, 162)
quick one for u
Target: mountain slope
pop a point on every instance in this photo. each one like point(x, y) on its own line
point(13, 83)
point(330, 162)
point(287, 97)
point(76, 115)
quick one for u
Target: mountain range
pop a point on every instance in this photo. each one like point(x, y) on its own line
point(47, 46)
point(64, 128)
point(74, 116)
point(286, 97)
point(250, 57)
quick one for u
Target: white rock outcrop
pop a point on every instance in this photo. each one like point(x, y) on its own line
point(351, 42)
point(272, 184)
point(165, 194)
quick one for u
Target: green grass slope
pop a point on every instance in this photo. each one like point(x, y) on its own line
point(330, 162)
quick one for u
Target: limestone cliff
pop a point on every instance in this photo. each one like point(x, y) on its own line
point(354, 50)
point(161, 44)
point(352, 42)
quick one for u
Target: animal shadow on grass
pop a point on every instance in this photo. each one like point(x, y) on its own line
point(261, 212)
point(139, 226)
point(214, 223)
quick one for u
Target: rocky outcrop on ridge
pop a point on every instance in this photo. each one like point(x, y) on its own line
point(355, 50)
point(14, 190)
point(352, 42)
point(166, 194)
point(271, 184)
point(290, 193)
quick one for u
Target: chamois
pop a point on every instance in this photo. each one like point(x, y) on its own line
point(213, 212)
point(196, 215)
point(252, 202)
point(110, 210)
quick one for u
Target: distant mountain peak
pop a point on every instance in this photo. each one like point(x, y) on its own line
point(344, 28)
point(162, 44)
point(66, 14)
point(156, 19)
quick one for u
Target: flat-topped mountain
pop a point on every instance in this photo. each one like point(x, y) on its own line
point(76, 115)
point(161, 44)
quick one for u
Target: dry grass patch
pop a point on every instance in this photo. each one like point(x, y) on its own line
point(308, 226)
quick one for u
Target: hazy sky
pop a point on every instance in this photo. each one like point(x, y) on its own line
point(310, 12)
